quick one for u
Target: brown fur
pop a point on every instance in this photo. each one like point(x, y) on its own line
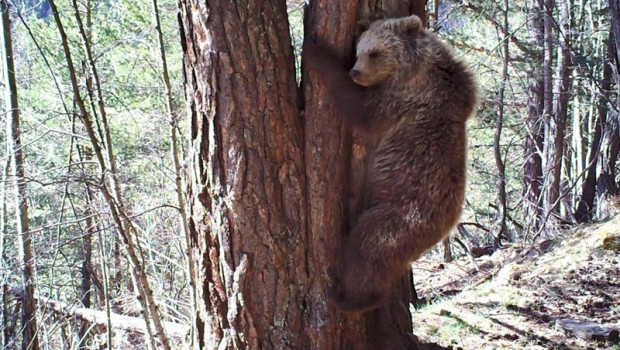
point(414, 97)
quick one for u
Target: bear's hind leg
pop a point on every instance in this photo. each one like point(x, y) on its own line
point(374, 257)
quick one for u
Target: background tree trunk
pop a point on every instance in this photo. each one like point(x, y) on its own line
point(614, 7)
point(607, 179)
point(499, 125)
point(30, 338)
point(4, 313)
point(534, 140)
point(85, 254)
point(547, 77)
point(606, 185)
point(561, 97)
point(588, 191)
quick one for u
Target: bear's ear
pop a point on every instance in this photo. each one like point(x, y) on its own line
point(362, 26)
point(405, 25)
point(372, 19)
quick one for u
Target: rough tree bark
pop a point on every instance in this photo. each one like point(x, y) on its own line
point(246, 195)
point(327, 161)
point(343, 170)
point(271, 189)
point(30, 338)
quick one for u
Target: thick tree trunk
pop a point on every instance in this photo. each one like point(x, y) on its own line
point(333, 23)
point(30, 338)
point(256, 282)
point(327, 159)
point(272, 189)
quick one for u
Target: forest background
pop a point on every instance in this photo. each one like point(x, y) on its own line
point(104, 141)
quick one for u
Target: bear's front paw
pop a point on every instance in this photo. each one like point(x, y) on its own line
point(350, 302)
point(312, 53)
point(334, 293)
point(318, 57)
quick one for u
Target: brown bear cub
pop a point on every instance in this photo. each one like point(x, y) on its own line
point(408, 92)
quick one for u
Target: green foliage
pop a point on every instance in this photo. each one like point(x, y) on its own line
point(477, 41)
point(127, 58)
point(126, 52)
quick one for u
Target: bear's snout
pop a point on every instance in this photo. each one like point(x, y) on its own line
point(354, 73)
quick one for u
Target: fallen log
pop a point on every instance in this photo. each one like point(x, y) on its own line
point(92, 316)
point(590, 330)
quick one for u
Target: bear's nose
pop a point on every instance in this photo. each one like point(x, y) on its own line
point(354, 73)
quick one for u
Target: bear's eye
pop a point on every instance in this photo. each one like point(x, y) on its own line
point(374, 54)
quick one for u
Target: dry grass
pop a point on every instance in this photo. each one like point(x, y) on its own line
point(517, 297)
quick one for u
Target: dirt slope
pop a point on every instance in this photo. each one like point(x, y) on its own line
point(527, 298)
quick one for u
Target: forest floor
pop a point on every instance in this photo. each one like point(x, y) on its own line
point(562, 293)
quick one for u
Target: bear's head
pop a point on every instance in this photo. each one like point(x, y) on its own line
point(391, 49)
